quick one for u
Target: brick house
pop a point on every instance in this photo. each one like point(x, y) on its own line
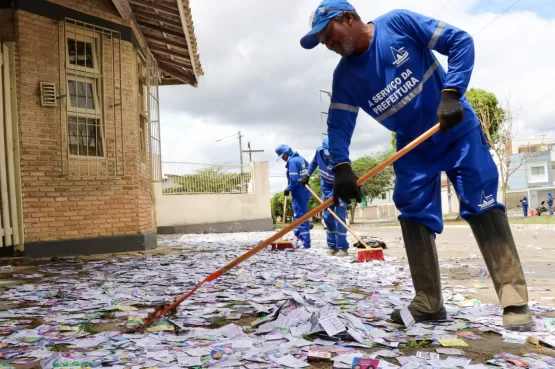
point(79, 120)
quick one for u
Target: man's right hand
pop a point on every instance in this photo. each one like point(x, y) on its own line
point(345, 186)
point(286, 192)
point(304, 181)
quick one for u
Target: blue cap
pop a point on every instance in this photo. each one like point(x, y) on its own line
point(326, 146)
point(282, 149)
point(321, 17)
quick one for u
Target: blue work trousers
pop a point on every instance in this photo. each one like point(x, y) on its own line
point(301, 197)
point(468, 164)
point(336, 233)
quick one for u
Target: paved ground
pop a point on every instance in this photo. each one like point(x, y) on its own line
point(457, 247)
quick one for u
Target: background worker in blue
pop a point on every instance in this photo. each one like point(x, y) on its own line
point(550, 203)
point(388, 69)
point(524, 202)
point(296, 168)
point(336, 233)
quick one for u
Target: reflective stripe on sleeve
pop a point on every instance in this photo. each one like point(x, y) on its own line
point(437, 33)
point(339, 106)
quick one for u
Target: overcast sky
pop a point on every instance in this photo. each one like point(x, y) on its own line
point(260, 81)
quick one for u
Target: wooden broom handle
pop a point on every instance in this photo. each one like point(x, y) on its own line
point(284, 211)
point(323, 206)
point(337, 217)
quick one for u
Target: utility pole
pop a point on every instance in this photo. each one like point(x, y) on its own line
point(250, 151)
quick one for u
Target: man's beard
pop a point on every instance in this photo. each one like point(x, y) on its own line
point(347, 46)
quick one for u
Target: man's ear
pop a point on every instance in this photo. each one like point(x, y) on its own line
point(349, 18)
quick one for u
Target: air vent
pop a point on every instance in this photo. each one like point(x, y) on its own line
point(47, 94)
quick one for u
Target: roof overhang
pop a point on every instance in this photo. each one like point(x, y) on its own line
point(167, 28)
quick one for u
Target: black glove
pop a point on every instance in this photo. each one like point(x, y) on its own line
point(286, 192)
point(450, 111)
point(304, 181)
point(345, 187)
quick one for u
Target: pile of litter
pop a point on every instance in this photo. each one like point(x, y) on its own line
point(276, 310)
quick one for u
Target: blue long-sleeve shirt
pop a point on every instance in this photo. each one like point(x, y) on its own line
point(296, 169)
point(327, 177)
point(398, 81)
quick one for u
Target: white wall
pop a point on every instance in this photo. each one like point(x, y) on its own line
point(177, 210)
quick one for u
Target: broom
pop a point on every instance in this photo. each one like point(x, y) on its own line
point(281, 244)
point(367, 253)
point(326, 204)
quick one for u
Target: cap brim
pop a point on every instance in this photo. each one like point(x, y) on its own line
point(309, 41)
point(326, 152)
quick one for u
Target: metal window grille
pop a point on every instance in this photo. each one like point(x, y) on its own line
point(149, 124)
point(195, 178)
point(92, 121)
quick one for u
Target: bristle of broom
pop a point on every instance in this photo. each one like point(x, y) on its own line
point(281, 245)
point(369, 255)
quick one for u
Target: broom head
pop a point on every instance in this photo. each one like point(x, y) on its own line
point(369, 254)
point(281, 245)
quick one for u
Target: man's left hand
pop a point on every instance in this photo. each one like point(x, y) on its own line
point(450, 111)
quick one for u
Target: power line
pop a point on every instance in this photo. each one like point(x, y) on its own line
point(496, 18)
point(443, 7)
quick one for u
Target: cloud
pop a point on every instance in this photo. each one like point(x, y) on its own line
point(259, 81)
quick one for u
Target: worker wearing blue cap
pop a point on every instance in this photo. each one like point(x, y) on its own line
point(336, 233)
point(388, 70)
point(296, 168)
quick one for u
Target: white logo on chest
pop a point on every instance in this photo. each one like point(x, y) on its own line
point(400, 56)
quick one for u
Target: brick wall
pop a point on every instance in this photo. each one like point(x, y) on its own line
point(57, 206)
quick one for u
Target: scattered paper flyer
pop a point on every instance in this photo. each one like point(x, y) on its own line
point(453, 343)
point(332, 325)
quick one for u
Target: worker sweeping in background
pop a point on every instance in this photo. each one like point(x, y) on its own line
point(336, 233)
point(524, 202)
point(296, 168)
point(550, 203)
point(388, 69)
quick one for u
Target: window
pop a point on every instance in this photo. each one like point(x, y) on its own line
point(538, 171)
point(384, 196)
point(143, 107)
point(84, 113)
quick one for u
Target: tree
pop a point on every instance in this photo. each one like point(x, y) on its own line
point(490, 110)
point(501, 142)
point(277, 207)
point(376, 185)
point(393, 141)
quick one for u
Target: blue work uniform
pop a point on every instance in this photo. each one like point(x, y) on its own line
point(524, 202)
point(550, 203)
point(398, 81)
point(296, 168)
point(336, 233)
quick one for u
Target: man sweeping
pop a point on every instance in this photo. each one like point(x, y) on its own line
point(296, 168)
point(388, 70)
point(336, 233)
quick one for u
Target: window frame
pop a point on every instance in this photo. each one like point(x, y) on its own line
point(78, 73)
point(83, 35)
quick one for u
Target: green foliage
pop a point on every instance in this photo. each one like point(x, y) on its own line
point(210, 180)
point(488, 109)
point(277, 206)
point(376, 185)
point(393, 141)
point(315, 185)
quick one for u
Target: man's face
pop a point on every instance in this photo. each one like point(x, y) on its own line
point(284, 157)
point(338, 37)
